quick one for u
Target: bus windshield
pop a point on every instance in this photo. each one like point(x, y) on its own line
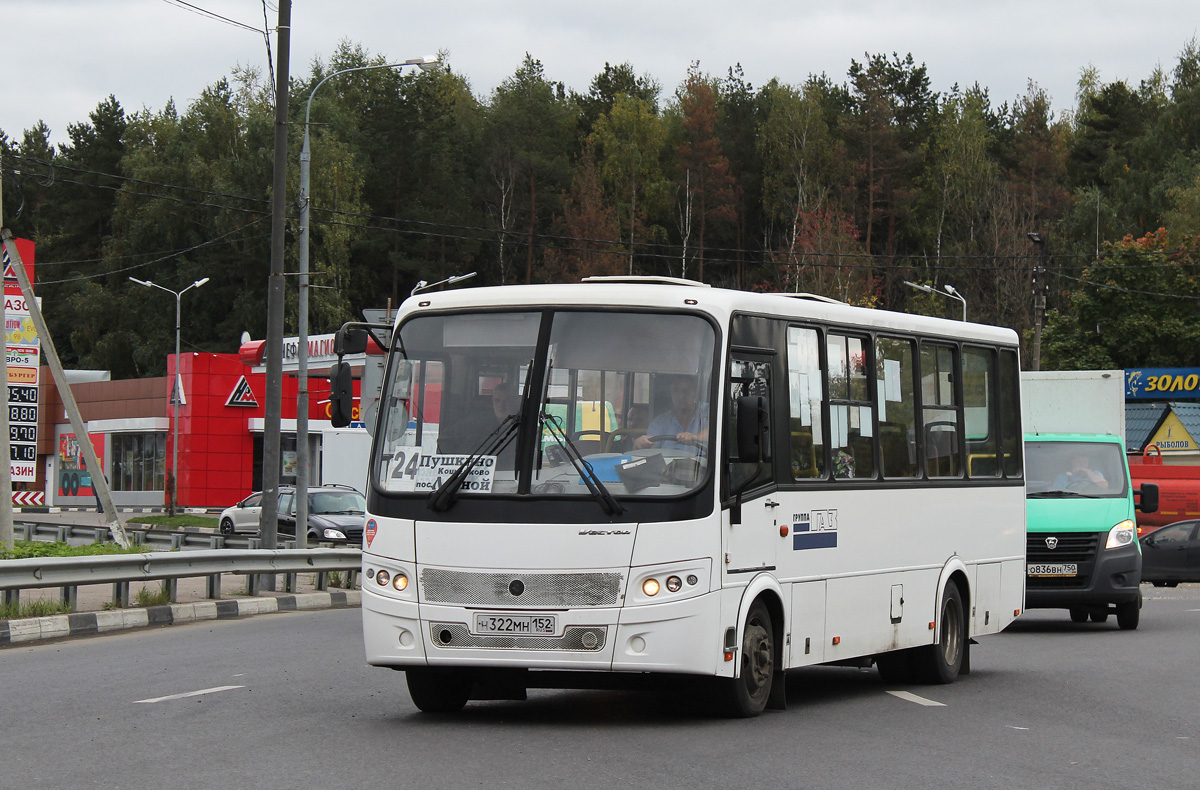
point(548, 403)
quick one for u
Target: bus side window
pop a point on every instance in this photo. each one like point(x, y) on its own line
point(943, 456)
point(894, 373)
point(851, 409)
point(746, 378)
point(979, 411)
point(806, 397)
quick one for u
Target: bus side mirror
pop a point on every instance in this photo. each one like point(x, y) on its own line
point(350, 340)
point(341, 395)
point(753, 429)
point(1147, 495)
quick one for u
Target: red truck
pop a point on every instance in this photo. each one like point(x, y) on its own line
point(1178, 489)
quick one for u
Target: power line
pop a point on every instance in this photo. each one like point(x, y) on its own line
point(655, 250)
point(195, 9)
point(1110, 287)
point(168, 256)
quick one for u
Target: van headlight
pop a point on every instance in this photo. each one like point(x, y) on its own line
point(334, 534)
point(1122, 534)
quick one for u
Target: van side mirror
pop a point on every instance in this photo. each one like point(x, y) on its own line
point(341, 395)
point(753, 429)
point(1147, 495)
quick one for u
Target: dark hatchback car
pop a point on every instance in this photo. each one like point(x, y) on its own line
point(335, 514)
point(1171, 554)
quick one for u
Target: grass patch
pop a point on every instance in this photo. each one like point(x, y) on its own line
point(181, 520)
point(26, 549)
point(32, 609)
point(146, 597)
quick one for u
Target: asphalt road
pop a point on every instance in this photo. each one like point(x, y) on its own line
point(285, 701)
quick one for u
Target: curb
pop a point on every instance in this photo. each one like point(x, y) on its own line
point(60, 626)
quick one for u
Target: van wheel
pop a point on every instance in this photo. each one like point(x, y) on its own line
point(1128, 614)
point(1099, 617)
point(746, 696)
point(1079, 616)
point(439, 690)
point(939, 663)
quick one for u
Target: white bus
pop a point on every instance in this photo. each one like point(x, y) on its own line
point(630, 478)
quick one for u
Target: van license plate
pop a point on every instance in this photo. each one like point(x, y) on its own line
point(1052, 569)
point(517, 624)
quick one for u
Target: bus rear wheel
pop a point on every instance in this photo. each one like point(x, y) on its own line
point(940, 662)
point(438, 690)
point(746, 695)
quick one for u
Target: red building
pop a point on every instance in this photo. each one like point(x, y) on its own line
point(220, 429)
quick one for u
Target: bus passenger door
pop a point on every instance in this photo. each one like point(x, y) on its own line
point(752, 504)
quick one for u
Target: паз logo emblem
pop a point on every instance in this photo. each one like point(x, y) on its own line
point(1052, 543)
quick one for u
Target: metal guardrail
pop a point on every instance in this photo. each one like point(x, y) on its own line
point(148, 536)
point(69, 573)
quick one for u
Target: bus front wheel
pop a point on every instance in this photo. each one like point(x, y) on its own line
point(746, 695)
point(940, 662)
point(438, 690)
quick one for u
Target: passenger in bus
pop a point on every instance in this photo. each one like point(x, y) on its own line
point(467, 435)
point(636, 419)
point(685, 420)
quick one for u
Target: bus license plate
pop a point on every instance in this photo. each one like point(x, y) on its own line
point(1052, 569)
point(517, 624)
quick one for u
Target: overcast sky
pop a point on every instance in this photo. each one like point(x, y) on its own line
point(63, 57)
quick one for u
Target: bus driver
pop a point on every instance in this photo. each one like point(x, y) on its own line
point(685, 421)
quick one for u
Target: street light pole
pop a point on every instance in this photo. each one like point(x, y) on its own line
point(1039, 297)
point(949, 290)
point(176, 387)
point(302, 461)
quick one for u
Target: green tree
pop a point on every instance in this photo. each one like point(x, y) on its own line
point(629, 142)
point(709, 190)
point(527, 133)
point(1133, 307)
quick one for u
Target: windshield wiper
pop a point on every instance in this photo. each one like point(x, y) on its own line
point(601, 493)
point(442, 498)
point(1059, 494)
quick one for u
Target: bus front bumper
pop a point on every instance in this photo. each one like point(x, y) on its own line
point(675, 637)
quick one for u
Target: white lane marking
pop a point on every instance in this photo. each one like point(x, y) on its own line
point(188, 694)
point(1011, 727)
point(910, 697)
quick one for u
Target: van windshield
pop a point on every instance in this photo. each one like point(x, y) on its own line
point(1075, 469)
point(524, 398)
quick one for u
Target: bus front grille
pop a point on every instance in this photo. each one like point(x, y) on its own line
point(465, 588)
point(584, 639)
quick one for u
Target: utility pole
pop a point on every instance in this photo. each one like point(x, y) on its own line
point(269, 520)
point(1040, 286)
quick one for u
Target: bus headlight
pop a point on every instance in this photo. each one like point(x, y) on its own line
point(400, 581)
point(650, 587)
point(1122, 534)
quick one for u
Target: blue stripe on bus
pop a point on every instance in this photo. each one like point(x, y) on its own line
point(814, 540)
